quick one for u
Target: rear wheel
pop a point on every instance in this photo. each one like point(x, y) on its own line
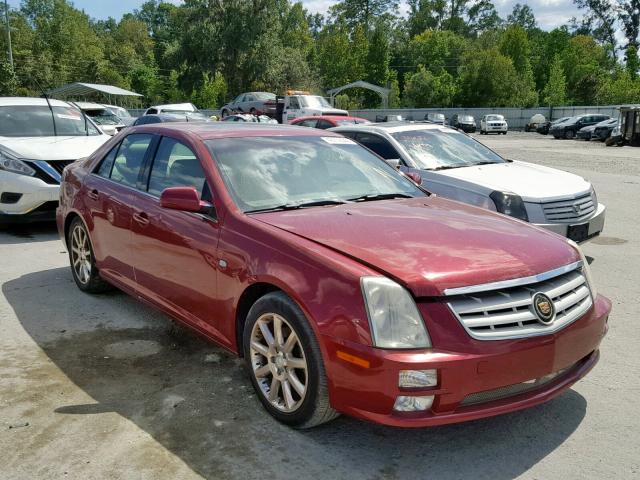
point(569, 134)
point(83, 265)
point(285, 364)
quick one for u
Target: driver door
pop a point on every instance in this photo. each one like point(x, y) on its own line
point(174, 252)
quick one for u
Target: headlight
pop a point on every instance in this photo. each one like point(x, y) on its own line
point(393, 316)
point(11, 164)
point(509, 204)
point(586, 269)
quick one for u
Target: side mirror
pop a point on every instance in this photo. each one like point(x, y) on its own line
point(394, 162)
point(415, 177)
point(183, 198)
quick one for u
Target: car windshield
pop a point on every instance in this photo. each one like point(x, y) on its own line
point(351, 121)
point(436, 117)
point(466, 118)
point(37, 121)
point(440, 149)
point(495, 118)
point(270, 173)
point(313, 101)
point(103, 117)
point(120, 112)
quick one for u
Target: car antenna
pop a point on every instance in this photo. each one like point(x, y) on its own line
point(46, 97)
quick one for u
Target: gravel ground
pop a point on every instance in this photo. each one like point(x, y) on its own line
point(102, 387)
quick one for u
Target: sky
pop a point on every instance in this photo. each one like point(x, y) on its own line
point(549, 13)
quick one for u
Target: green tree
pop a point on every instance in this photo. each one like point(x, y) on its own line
point(554, 92)
point(584, 62)
point(211, 93)
point(632, 63)
point(438, 50)
point(8, 80)
point(424, 89)
point(522, 16)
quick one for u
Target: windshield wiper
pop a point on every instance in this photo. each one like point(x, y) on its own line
point(380, 196)
point(447, 167)
point(296, 206)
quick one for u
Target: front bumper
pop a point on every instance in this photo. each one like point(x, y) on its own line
point(584, 135)
point(469, 369)
point(35, 198)
point(466, 127)
point(496, 128)
point(594, 225)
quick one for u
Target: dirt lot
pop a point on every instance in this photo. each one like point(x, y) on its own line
point(100, 386)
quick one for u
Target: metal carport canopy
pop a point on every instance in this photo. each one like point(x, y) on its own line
point(88, 88)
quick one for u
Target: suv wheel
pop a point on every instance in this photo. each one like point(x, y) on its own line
point(285, 364)
point(83, 264)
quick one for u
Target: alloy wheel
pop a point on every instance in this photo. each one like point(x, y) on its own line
point(278, 362)
point(81, 254)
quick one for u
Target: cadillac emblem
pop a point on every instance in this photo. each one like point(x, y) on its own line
point(543, 308)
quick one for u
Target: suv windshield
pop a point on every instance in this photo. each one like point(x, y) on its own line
point(466, 118)
point(313, 101)
point(263, 173)
point(37, 121)
point(440, 149)
point(495, 118)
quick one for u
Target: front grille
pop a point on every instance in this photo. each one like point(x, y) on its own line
point(572, 210)
point(510, 390)
point(60, 165)
point(50, 171)
point(508, 312)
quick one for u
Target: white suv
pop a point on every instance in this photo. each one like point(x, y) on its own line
point(454, 165)
point(37, 141)
point(493, 124)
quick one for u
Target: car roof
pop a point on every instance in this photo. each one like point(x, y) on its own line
point(90, 106)
point(391, 127)
point(30, 101)
point(210, 131)
point(329, 117)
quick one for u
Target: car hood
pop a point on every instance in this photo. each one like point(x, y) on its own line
point(429, 244)
point(534, 183)
point(53, 148)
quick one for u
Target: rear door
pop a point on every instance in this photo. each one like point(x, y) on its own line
point(174, 252)
point(107, 196)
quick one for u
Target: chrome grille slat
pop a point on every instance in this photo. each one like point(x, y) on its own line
point(508, 312)
point(562, 211)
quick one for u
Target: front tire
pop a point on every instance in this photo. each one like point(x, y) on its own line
point(285, 364)
point(83, 263)
point(569, 134)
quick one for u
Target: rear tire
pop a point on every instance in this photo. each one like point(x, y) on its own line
point(284, 363)
point(83, 262)
point(569, 134)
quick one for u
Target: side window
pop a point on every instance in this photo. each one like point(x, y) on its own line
point(294, 103)
point(378, 145)
point(249, 98)
point(152, 111)
point(323, 124)
point(308, 123)
point(104, 169)
point(129, 159)
point(175, 165)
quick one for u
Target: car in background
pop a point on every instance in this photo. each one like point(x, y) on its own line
point(463, 122)
point(456, 166)
point(107, 121)
point(170, 118)
point(247, 117)
point(434, 117)
point(390, 118)
point(255, 103)
point(493, 123)
point(345, 286)
point(327, 121)
point(569, 128)
point(173, 108)
point(543, 128)
point(602, 130)
point(534, 122)
point(122, 113)
point(38, 140)
point(298, 103)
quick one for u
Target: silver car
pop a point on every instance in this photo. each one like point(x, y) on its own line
point(255, 103)
point(456, 166)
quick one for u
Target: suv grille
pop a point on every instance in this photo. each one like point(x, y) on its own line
point(571, 210)
point(509, 313)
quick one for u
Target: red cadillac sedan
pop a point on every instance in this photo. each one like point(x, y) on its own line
point(345, 287)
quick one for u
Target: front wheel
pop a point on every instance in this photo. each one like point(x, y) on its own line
point(285, 364)
point(569, 134)
point(83, 263)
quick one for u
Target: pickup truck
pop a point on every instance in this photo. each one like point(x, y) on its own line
point(297, 104)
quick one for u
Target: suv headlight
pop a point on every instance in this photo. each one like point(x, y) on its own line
point(393, 315)
point(509, 204)
point(586, 269)
point(11, 164)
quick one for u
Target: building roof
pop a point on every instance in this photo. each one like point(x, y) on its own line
point(78, 88)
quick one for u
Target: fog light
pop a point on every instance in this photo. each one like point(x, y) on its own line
point(412, 404)
point(417, 378)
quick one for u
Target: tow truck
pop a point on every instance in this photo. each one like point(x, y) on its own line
point(298, 103)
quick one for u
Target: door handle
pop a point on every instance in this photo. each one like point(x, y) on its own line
point(93, 194)
point(141, 217)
